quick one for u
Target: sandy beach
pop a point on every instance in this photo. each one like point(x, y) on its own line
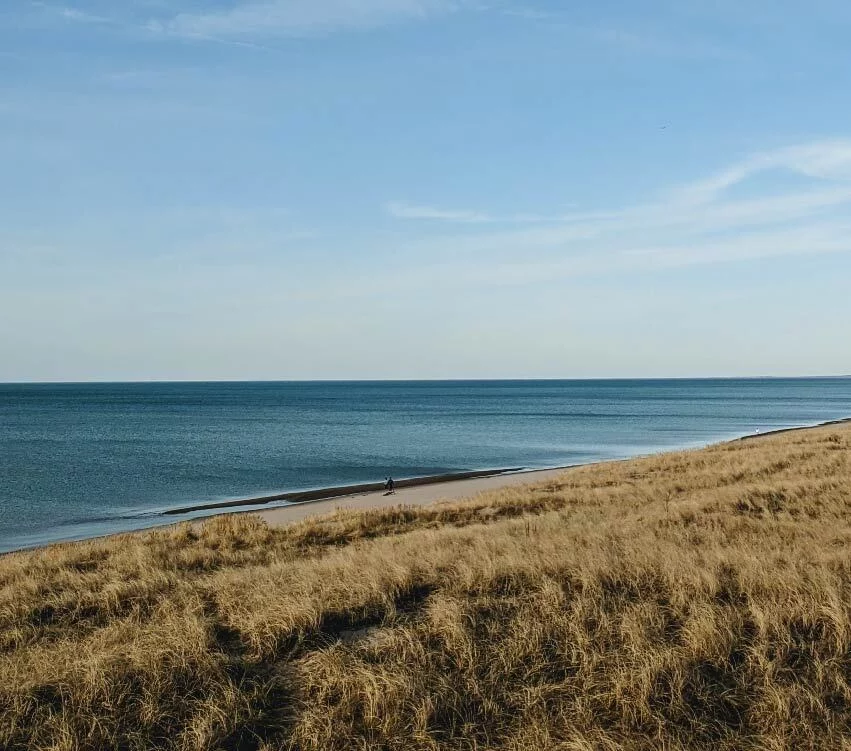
point(410, 492)
point(451, 490)
point(418, 495)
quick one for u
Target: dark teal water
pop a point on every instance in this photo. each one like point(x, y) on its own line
point(83, 460)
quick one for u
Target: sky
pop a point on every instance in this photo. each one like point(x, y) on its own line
point(359, 189)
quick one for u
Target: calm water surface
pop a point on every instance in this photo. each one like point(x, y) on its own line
point(82, 460)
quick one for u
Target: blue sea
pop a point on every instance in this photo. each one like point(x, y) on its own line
point(83, 460)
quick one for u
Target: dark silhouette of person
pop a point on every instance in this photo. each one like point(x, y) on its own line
point(389, 486)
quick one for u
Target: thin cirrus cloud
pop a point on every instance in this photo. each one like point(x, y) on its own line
point(403, 210)
point(824, 160)
point(270, 18)
point(702, 204)
point(72, 14)
point(699, 223)
point(69, 13)
point(826, 163)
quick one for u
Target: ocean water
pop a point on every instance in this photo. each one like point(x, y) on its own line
point(83, 460)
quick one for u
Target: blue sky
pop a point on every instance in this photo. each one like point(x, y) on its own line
point(280, 189)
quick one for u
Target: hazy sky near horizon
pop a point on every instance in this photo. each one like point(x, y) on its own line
point(288, 189)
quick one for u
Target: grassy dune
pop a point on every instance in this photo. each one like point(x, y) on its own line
point(692, 600)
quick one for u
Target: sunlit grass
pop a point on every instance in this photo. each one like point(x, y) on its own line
point(691, 600)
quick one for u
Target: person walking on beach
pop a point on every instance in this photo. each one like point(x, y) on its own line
point(389, 486)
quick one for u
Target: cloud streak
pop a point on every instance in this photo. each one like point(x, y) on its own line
point(700, 206)
point(402, 210)
point(69, 13)
point(821, 160)
point(405, 210)
point(297, 18)
point(698, 223)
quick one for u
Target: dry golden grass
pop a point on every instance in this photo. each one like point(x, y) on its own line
point(691, 600)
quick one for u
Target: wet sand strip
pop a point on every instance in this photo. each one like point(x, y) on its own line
point(321, 494)
point(753, 436)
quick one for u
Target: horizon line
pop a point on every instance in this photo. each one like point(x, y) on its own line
point(168, 381)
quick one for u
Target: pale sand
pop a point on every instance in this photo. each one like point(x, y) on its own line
point(452, 490)
point(419, 495)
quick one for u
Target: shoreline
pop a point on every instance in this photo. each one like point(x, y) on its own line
point(457, 488)
point(778, 431)
point(415, 494)
point(296, 498)
point(414, 491)
point(340, 491)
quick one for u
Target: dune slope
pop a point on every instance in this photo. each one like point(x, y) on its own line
point(691, 600)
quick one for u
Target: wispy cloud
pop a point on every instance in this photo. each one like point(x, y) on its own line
point(528, 12)
point(824, 160)
point(405, 210)
point(270, 18)
point(701, 222)
point(70, 13)
point(652, 43)
point(402, 210)
point(135, 24)
point(699, 206)
point(634, 38)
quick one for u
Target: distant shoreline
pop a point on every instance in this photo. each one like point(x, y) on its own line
point(426, 491)
point(338, 491)
point(294, 498)
point(449, 479)
point(778, 431)
point(413, 491)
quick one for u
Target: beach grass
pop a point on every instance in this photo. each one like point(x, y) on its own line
point(696, 599)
